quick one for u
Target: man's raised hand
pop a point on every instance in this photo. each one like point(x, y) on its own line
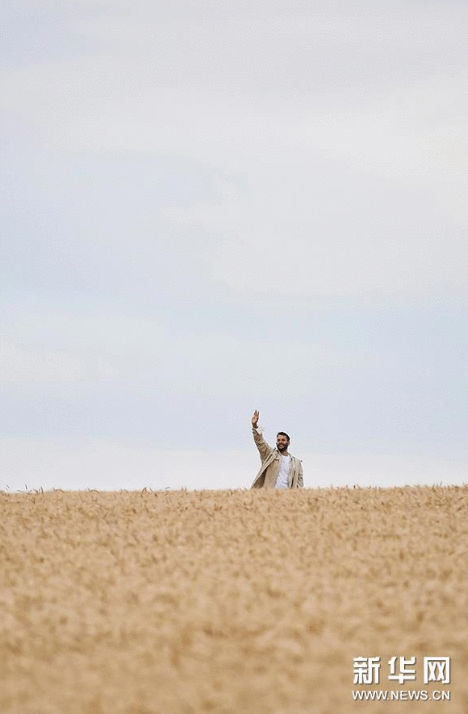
point(255, 418)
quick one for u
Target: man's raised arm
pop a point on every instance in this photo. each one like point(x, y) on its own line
point(264, 448)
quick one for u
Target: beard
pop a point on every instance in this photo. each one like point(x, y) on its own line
point(282, 447)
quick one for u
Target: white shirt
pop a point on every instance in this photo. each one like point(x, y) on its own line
point(282, 480)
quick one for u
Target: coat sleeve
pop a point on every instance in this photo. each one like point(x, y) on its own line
point(263, 448)
point(300, 478)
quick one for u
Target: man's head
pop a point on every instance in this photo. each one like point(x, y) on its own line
point(282, 441)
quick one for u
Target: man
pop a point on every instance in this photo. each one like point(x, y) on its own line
point(279, 469)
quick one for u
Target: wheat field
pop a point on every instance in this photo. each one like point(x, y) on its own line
point(229, 602)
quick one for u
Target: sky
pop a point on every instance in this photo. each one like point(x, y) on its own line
point(210, 208)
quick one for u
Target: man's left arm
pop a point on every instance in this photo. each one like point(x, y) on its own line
point(300, 477)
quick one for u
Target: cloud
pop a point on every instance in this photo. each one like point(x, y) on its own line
point(343, 161)
point(121, 349)
point(109, 465)
point(21, 365)
point(316, 229)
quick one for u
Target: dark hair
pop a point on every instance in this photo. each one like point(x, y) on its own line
point(283, 433)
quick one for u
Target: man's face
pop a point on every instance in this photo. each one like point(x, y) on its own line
point(281, 443)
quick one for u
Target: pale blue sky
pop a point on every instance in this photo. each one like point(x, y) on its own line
point(213, 208)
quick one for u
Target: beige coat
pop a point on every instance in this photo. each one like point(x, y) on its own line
point(269, 470)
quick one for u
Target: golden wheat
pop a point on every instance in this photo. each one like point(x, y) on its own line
point(230, 602)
